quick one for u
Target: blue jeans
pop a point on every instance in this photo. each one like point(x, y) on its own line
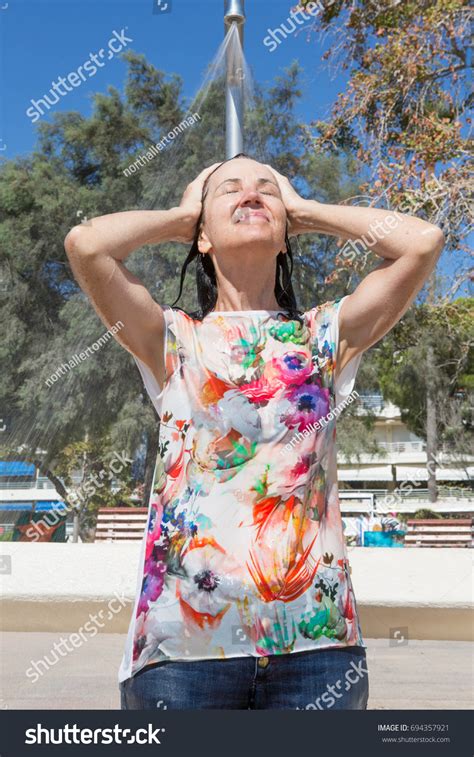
point(321, 679)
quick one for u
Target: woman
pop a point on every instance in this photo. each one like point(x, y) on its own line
point(244, 598)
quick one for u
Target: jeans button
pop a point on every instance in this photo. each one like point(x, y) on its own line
point(263, 662)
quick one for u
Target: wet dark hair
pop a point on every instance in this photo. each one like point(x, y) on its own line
point(206, 275)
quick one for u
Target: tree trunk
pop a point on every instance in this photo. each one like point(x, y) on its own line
point(75, 531)
point(431, 411)
point(77, 514)
point(431, 425)
point(393, 483)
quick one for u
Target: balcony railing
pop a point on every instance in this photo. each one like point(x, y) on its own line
point(372, 401)
point(408, 446)
point(41, 483)
point(444, 492)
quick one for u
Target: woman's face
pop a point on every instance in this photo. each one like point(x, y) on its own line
point(243, 208)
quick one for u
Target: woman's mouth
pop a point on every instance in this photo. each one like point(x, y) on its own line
point(246, 215)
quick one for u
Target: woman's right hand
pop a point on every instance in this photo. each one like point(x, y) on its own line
point(191, 205)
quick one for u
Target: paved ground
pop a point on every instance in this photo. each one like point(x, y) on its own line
point(417, 675)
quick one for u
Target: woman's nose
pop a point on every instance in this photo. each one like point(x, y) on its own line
point(251, 195)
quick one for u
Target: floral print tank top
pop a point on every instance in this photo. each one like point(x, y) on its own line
point(244, 552)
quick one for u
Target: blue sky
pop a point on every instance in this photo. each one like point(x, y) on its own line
point(46, 39)
point(43, 40)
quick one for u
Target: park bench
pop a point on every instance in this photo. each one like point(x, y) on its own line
point(439, 532)
point(121, 523)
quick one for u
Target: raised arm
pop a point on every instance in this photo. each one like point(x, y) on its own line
point(97, 252)
point(409, 246)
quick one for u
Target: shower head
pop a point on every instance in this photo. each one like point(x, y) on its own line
point(233, 13)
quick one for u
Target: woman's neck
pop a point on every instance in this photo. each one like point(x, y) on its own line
point(245, 288)
point(241, 301)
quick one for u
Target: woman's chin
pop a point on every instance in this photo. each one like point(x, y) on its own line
point(254, 231)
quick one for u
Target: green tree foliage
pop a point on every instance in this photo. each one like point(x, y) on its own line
point(404, 378)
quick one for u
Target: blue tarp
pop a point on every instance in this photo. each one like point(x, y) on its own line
point(384, 538)
point(52, 505)
point(16, 468)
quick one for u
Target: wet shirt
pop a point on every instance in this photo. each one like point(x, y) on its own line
point(244, 553)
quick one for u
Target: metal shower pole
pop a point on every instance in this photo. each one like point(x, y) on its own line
point(234, 91)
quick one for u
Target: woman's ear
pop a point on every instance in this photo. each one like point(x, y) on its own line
point(204, 245)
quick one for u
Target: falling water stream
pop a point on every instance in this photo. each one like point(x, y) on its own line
point(164, 186)
point(164, 179)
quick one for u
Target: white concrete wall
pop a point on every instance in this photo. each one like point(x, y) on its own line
point(54, 587)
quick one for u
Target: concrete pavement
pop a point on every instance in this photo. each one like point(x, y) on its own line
point(408, 675)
